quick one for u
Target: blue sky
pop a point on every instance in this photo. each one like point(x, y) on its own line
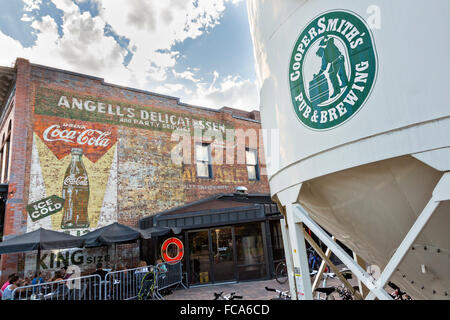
point(199, 50)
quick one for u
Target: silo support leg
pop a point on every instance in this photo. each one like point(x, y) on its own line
point(440, 193)
point(288, 257)
point(300, 280)
point(300, 215)
point(299, 257)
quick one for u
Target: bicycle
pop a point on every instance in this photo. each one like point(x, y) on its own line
point(282, 295)
point(398, 294)
point(231, 296)
point(147, 286)
point(281, 273)
point(343, 292)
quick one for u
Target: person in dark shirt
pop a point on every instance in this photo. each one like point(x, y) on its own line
point(64, 274)
point(102, 273)
point(99, 283)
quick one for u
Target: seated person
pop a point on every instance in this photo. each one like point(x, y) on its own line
point(143, 267)
point(58, 276)
point(37, 279)
point(7, 283)
point(102, 273)
point(162, 268)
point(65, 275)
point(14, 283)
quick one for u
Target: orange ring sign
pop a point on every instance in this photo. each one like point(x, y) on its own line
point(165, 246)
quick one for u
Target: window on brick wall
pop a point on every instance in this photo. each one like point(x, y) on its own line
point(251, 157)
point(203, 160)
point(1, 157)
point(4, 151)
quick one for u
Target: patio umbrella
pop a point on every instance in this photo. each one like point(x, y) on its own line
point(117, 233)
point(41, 239)
point(112, 234)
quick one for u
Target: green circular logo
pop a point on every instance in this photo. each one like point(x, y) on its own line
point(332, 69)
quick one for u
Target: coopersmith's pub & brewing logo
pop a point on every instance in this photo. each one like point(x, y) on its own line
point(332, 69)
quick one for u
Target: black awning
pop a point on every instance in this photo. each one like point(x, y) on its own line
point(213, 217)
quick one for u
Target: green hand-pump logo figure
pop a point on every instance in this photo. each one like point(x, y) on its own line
point(332, 69)
point(331, 55)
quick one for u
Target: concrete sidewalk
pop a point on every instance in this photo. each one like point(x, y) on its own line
point(254, 290)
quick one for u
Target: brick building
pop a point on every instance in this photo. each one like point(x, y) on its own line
point(125, 145)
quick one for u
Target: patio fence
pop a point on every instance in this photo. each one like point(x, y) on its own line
point(82, 288)
point(124, 284)
point(168, 275)
point(129, 284)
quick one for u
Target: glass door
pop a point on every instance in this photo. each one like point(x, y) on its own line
point(200, 266)
point(223, 254)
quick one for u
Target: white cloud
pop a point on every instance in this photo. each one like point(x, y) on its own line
point(83, 47)
point(31, 4)
point(152, 27)
point(188, 75)
point(169, 89)
point(230, 91)
point(155, 26)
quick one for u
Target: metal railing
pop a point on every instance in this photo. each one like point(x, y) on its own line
point(168, 275)
point(81, 288)
point(130, 284)
point(124, 284)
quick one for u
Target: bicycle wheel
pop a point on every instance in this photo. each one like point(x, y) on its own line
point(281, 274)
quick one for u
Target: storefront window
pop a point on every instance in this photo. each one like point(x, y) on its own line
point(222, 248)
point(277, 241)
point(200, 267)
point(250, 251)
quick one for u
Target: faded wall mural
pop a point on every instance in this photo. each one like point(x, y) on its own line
point(77, 162)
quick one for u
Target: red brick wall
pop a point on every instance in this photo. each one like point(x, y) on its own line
point(15, 215)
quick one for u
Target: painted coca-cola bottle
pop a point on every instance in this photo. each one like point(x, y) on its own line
point(75, 193)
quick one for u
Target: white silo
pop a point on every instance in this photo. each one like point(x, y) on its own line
point(359, 91)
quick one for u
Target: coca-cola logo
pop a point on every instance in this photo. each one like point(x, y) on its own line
point(76, 181)
point(62, 135)
point(91, 137)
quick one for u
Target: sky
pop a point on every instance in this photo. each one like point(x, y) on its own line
point(197, 50)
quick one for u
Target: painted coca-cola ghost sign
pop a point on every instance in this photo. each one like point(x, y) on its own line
point(90, 137)
point(75, 160)
point(61, 135)
point(75, 192)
